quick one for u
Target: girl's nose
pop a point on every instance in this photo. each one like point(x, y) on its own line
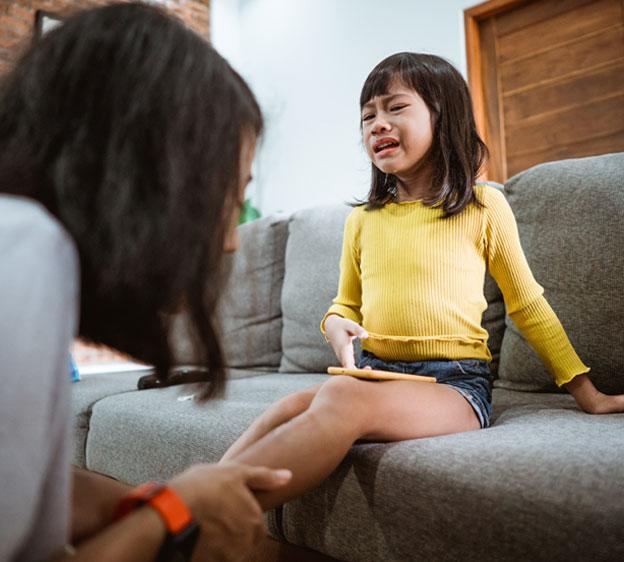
point(380, 125)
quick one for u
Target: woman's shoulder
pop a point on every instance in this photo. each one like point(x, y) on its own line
point(33, 242)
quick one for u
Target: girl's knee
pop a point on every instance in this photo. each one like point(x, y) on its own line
point(340, 393)
point(293, 404)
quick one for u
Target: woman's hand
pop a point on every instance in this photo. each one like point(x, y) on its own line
point(221, 501)
point(591, 400)
point(340, 333)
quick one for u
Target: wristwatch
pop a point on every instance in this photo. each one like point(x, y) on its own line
point(182, 530)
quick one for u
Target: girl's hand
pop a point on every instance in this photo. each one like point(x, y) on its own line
point(221, 501)
point(591, 400)
point(340, 333)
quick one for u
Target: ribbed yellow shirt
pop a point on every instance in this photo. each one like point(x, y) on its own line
point(414, 281)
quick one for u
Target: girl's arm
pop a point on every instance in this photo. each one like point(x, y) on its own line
point(530, 311)
point(591, 400)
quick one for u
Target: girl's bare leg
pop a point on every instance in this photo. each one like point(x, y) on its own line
point(282, 411)
point(343, 410)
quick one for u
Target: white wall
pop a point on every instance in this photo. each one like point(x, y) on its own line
point(306, 60)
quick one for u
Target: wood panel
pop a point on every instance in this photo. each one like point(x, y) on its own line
point(587, 147)
point(558, 29)
point(550, 79)
point(595, 119)
point(533, 12)
point(586, 53)
point(573, 91)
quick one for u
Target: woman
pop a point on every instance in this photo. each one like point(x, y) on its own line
point(126, 145)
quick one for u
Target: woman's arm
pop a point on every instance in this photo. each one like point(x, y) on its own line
point(137, 537)
point(94, 500)
point(591, 400)
point(220, 500)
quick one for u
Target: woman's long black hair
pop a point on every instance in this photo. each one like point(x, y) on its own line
point(127, 127)
point(457, 152)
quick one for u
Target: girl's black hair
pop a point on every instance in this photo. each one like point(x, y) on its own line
point(127, 126)
point(457, 152)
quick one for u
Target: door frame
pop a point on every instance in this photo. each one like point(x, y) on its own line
point(482, 72)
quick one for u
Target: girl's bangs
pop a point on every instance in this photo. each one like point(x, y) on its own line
point(381, 79)
point(377, 83)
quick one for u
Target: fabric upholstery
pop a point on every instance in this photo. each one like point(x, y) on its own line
point(569, 216)
point(538, 479)
point(85, 393)
point(543, 483)
point(154, 434)
point(310, 283)
point(250, 309)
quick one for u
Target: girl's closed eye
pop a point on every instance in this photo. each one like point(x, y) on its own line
point(398, 107)
point(367, 117)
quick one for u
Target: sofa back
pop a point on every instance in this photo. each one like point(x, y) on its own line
point(282, 281)
point(569, 216)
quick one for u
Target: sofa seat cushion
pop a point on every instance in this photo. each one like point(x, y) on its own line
point(155, 434)
point(85, 393)
point(543, 483)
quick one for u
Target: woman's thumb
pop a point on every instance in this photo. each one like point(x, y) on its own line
point(263, 478)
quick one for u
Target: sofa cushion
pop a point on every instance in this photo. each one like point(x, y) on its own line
point(569, 215)
point(250, 309)
point(85, 393)
point(310, 284)
point(155, 434)
point(543, 483)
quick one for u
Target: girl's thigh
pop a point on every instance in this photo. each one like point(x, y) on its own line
point(399, 410)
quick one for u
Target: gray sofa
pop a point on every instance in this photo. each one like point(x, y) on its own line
point(544, 482)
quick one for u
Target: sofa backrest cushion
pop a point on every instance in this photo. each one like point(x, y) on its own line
point(569, 215)
point(311, 282)
point(250, 309)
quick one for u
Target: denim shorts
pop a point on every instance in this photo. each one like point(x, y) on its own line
point(470, 377)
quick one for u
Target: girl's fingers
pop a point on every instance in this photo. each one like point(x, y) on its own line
point(346, 357)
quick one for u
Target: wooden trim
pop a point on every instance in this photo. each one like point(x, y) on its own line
point(492, 8)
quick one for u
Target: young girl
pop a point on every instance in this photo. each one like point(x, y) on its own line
point(411, 287)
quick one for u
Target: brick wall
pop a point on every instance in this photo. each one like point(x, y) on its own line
point(17, 20)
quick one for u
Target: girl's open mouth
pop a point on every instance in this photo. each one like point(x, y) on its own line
point(385, 147)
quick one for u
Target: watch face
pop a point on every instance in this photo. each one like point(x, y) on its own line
point(179, 547)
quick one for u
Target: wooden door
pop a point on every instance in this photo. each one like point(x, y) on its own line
point(547, 79)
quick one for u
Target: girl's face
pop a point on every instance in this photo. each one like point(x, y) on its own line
point(397, 130)
point(248, 150)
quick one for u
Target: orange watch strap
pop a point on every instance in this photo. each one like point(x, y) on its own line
point(172, 509)
point(163, 499)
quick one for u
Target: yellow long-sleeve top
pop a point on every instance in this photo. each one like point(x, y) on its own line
point(414, 281)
